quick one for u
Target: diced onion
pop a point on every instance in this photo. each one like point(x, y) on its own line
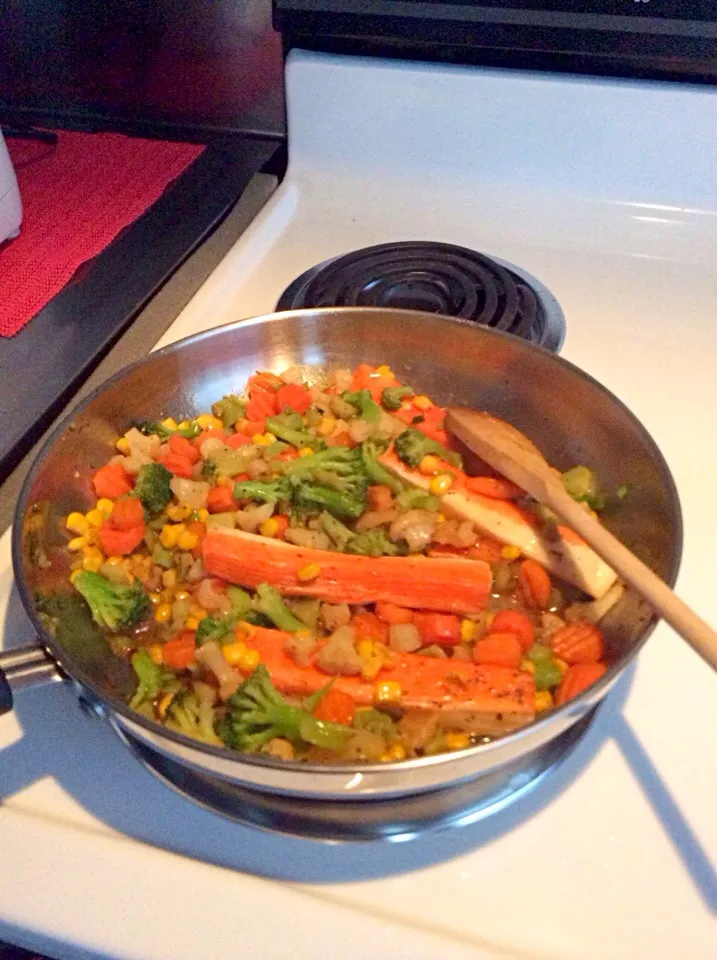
point(249, 519)
point(192, 493)
point(213, 659)
point(404, 637)
point(415, 527)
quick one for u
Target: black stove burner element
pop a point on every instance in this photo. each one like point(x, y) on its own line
point(436, 278)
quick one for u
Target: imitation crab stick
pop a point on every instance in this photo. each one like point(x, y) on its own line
point(569, 557)
point(480, 699)
point(448, 584)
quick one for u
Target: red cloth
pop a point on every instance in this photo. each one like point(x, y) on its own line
point(76, 196)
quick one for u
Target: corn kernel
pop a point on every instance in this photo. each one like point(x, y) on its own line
point(543, 701)
point(388, 691)
point(170, 533)
point(527, 666)
point(365, 648)
point(155, 598)
point(92, 564)
point(202, 515)
point(104, 505)
point(77, 543)
point(308, 573)
point(191, 623)
point(269, 528)
point(224, 481)
point(114, 561)
point(561, 665)
point(170, 423)
point(468, 630)
point(250, 661)
point(305, 452)
point(509, 552)
point(178, 511)
point(326, 425)
point(384, 370)
point(422, 403)
point(169, 578)
point(123, 445)
point(183, 425)
point(196, 611)
point(244, 630)
point(440, 517)
point(164, 703)
point(156, 653)
point(77, 523)
point(429, 465)
point(167, 595)
point(262, 439)
point(182, 595)
point(208, 422)
point(440, 484)
point(95, 517)
point(187, 540)
point(75, 574)
point(234, 652)
point(397, 751)
point(456, 741)
point(163, 612)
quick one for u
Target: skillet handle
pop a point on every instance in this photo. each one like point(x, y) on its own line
point(20, 667)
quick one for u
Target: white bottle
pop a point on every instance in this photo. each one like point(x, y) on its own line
point(10, 204)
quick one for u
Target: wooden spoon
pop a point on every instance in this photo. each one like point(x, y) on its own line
point(509, 452)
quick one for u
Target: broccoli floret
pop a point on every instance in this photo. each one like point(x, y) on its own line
point(583, 485)
point(239, 599)
point(412, 446)
point(267, 491)
point(373, 543)
point(375, 471)
point(391, 397)
point(340, 460)
point(229, 409)
point(270, 602)
point(341, 504)
point(364, 403)
point(375, 721)
point(164, 433)
point(281, 427)
point(215, 628)
point(152, 678)
point(415, 499)
point(113, 605)
point(257, 713)
point(340, 534)
point(194, 716)
point(152, 487)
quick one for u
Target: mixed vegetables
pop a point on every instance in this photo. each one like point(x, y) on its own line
point(314, 571)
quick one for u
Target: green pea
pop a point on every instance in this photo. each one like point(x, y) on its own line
point(547, 675)
point(539, 652)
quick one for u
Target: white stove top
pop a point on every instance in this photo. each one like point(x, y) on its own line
point(605, 191)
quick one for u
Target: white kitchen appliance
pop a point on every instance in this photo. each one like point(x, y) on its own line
point(605, 192)
point(10, 203)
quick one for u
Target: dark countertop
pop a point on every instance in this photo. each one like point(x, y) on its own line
point(150, 323)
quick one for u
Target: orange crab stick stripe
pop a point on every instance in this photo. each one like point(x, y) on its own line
point(449, 584)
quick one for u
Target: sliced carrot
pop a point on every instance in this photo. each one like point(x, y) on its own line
point(368, 626)
point(295, 396)
point(177, 465)
point(500, 649)
point(446, 550)
point(486, 549)
point(495, 487)
point(262, 405)
point(482, 699)
point(237, 440)
point(120, 542)
point(380, 497)
point(263, 380)
point(534, 583)
point(578, 643)
point(200, 529)
point(391, 613)
point(291, 453)
point(336, 707)
point(446, 584)
point(127, 514)
point(342, 439)
point(517, 623)
point(443, 629)
point(221, 500)
point(367, 378)
point(181, 447)
point(578, 678)
point(282, 524)
point(213, 434)
point(112, 481)
point(180, 652)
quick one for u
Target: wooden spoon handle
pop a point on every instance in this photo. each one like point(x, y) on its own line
point(701, 637)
